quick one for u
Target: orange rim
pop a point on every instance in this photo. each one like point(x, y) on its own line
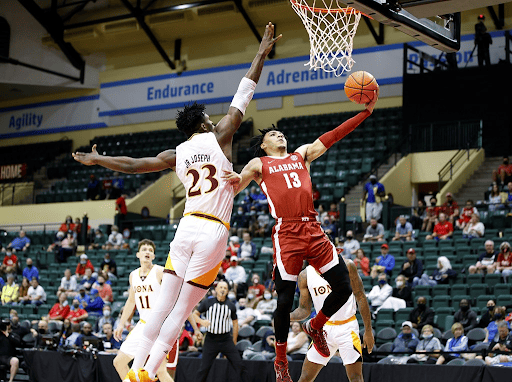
point(326, 10)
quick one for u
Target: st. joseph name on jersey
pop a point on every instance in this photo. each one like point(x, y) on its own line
point(197, 158)
point(285, 167)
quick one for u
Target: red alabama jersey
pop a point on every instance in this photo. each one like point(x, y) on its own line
point(287, 185)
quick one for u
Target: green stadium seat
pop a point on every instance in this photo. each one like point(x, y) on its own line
point(422, 290)
point(502, 289)
point(474, 279)
point(385, 314)
point(457, 289)
point(445, 243)
point(441, 314)
point(440, 302)
point(504, 300)
point(476, 290)
point(381, 324)
point(441, 290)
point(492, 279)
point(402, 315)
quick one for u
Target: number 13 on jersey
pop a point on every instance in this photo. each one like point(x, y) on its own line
point(292, 180)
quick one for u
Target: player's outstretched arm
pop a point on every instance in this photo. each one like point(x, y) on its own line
point(362, 303)
point(251, 171)
point(305, 303)
point(314, 150)
point(228, 125)
point(163, 161)
point(128, 309)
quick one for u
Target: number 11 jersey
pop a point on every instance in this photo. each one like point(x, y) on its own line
point(287, 185)
point(146, 290)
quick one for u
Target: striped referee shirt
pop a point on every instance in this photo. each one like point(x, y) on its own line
point(219, 313)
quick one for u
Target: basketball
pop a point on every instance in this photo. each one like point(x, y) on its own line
point(360, 87)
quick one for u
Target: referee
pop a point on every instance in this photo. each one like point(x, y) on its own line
point(220, 318)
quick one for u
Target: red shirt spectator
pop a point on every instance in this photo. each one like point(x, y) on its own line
point(257, 288)
point(504, 262)
point(59, 312)
point(185, 340)
point(68, 225)
point(121, 205)
point(233, 246)
point(10, 261)
point(333, 211)
point(84, 263)
point(104, 290)
point(362, 262)
point(75, 314)
point(450, 207)
point(466, 213)
point(443, 228)
point(225, 265)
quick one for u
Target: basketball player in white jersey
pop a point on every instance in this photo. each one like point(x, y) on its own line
point(342, 329)
point(200, 241)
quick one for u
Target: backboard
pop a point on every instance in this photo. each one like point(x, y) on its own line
point(410, 17)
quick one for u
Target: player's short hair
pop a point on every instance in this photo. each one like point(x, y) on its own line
point(146, 242)
point(257, 140)
point(190, 118)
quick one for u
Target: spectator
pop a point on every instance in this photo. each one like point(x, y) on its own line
point(83, 265)
point(465, 316)
point(451, 208)
point(246, 315)
point(121, 209)
point(486, 261)
point(110, 344)
point(65, 330)
point(333, 211)
point(236, 275)
point(68, 285)
point(23, 290)
point(233, 246)
point(316, 194)
point(495, 201)
point(68, 225)
point(93, 303)
point(97, 240)
point(421, 315)
point(322, 213)
point(384, 263)
point(105, 319)
point(10, 262)
point(256, 288)
point(504, 262)
point(442, 230)
point(20, 330)
point(266, 305)
point(262, 226)
point(374, 232)
point(60, 310)
point(35, 294)
point(239, 222)
point(258, 198)
point(30, 270)
point(55, 246)
point(405, 341)
point(10, 291)
point(93, 188)
point(88, 279)
point(297, 342)
point(106, 187)
point(362, 263)
point(498, 316)
point(225, 264)
point(21, 243)
point(474, 229)
point(506, 197)
point(117, 186)
point(329, 227)
point(104, 289)
point(247, 250)
point(73, 340)
point(412, 269)
point(487, 315)
point(67, 247)
point(87, 334)
point(77, 314)
point(431, 215)
point(403, 230)
point(441, 275)
point(42, 332)
point(428, 344)
point(350, 246)
point(115, 239)
point(402, 290)
point(8, 344)
point(459, 342)
point(373, 192)
point(503, 343)
point(109, 267)
point(380, 292)
point(418, 215)
point(504, 173)
point(465, 215)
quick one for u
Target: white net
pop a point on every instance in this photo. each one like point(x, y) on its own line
point(331, 29)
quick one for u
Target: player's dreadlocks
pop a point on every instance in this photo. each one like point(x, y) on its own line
point(190, 118)
point(257, 140)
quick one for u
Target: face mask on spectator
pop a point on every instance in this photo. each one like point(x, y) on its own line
point(490, 308)
point(240, 212)
point(250, 296)
point(399, 284)
point(98, 236)
point(231, 296)
point(106, 313)
point(114, 232)
point(422, 306)
point(433, 204)
point(350, 237)
point(382, 282)
point(428, 336)
point(242, 307)
point(233, 263)
point(497, 316)
point(406, 335)
point(101, 282)
point(29, 265)
point(267, 296)
point(76, 305)
point(464, 308)
point(41, 331)
point(82, 293)
point(83, 261)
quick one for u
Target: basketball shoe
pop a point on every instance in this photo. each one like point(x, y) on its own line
point(141, 376)
point(282, 373)
point(318, 337)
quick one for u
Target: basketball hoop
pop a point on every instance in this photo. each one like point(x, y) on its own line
point(331, 29)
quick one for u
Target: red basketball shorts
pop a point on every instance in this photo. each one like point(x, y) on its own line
point(296, 240)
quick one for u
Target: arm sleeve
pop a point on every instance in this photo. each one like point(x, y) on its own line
point(333, 136)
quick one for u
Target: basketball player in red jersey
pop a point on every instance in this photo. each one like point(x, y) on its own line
point(297, 236)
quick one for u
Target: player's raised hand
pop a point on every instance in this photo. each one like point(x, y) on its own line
point(370, 105)
point(368, 341)
point(268, 40)
point(88, 159)
point(118, 333)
